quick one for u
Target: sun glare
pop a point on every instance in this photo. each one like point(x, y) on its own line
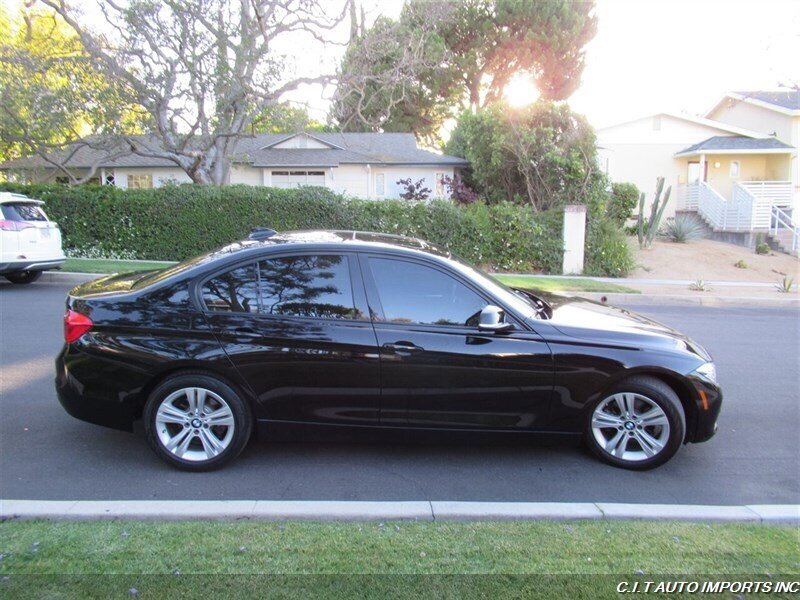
point(520, 91)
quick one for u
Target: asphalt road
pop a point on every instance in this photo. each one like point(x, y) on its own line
point(755, 457)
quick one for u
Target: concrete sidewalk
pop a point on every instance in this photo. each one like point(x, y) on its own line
point(424, 510)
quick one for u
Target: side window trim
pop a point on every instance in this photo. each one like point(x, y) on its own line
point(356, 281)
point(374, 296)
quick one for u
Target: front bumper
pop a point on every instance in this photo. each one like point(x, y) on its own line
point(31, 265)
point(709, 404)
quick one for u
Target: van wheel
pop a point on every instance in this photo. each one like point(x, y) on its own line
point(23, 277)
point(195, 422)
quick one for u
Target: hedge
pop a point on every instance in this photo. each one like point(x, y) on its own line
point(176, 222)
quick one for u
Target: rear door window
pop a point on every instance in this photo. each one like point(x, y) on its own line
point(23, 211)
point(317, 286)
point(234, 291)
point(307, 286)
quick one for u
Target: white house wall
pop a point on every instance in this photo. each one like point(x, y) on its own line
point(757, 118)
point(642, 150)
point(161, 175)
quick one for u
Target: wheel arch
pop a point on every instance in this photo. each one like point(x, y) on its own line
point(677, 383)
point(186, 369)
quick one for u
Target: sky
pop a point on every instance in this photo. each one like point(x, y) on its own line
point(648, 56)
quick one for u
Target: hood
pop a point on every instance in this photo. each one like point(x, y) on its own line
point(585, 319)
point(116, 283)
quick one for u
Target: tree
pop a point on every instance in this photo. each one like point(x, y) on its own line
point(202, 70)
point(543, 154)
point(284, 118)
point(395, 77)
point(442, 57)
point(52, 97)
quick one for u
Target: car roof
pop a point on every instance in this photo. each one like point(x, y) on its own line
point(363, 240)
point(12, 198)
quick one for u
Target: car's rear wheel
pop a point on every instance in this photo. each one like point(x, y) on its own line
point(640, 424)
point(196, 422)
point(23, 277)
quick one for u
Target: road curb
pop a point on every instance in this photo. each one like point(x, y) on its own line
point(699, 300)
point(69, 277)
point(423, 510)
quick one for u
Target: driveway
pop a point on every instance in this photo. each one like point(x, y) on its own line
point(754, 459)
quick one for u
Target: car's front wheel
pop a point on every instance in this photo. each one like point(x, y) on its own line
point(23, 277)
point(640, 424)
point(196, 422)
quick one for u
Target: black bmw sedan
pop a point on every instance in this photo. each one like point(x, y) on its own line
point(316, 331)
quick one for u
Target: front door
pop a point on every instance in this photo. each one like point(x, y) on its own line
point(437, 369)
point(297, 329)
point(693, 175)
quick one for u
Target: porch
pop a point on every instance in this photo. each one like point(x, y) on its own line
point(741, 187)
point(753, 207)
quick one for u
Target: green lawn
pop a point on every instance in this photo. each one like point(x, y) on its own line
point(96, 265)
point(563, 284)
point(392, 559)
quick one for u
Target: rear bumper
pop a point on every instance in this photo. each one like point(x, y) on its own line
point(84, 395)
point(31, 265)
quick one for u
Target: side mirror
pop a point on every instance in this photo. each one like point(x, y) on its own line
point(493, 318)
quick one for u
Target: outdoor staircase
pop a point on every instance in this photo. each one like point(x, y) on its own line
point(782, 241)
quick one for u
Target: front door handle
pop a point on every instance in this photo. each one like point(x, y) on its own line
point(403, 347)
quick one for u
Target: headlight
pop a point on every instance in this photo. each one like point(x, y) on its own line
point(707, 371)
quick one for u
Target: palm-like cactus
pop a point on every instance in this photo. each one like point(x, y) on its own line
point(648, 230)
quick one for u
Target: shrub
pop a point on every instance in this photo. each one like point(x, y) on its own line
point(459, 191)
point(414, 190)
point(683, 228)
point(623, 200)
point(607, 253)
point(176, 222)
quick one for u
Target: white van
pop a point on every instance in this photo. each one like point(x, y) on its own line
point(29, 242)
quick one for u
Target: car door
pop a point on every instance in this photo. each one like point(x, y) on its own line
point(296, 327)
point(437, 368)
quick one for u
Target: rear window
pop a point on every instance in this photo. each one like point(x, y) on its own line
point(23, 211)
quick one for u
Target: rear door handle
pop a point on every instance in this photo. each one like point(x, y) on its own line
point(403, 347)
point(245, 331)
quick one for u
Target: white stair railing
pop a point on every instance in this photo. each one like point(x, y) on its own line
point(723, 214)
point(687, 196)
point(781, 219)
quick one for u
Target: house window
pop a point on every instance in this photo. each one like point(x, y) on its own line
point(657, 123)
point(109, 178)
point(380, 184)
point(439, 185)
point(140, 182)
point(735, 168)
point(292, 179)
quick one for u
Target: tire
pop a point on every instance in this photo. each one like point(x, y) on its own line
point(181, 428)
point(639, 424)
point(23, 277)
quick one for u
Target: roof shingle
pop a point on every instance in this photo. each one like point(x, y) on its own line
point(346, 148)
point(733, 143)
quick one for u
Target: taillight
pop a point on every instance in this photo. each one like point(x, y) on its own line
point(15, 225)
point(75, 325)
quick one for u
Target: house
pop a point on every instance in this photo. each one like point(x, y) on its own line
point(367, 165)
point(737, 166)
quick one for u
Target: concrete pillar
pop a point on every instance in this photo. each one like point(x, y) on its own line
point(574, 238)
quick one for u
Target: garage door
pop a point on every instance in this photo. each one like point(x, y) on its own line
point(290, 179)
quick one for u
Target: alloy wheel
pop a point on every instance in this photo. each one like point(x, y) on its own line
point(194, 424)
point(630, 427)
